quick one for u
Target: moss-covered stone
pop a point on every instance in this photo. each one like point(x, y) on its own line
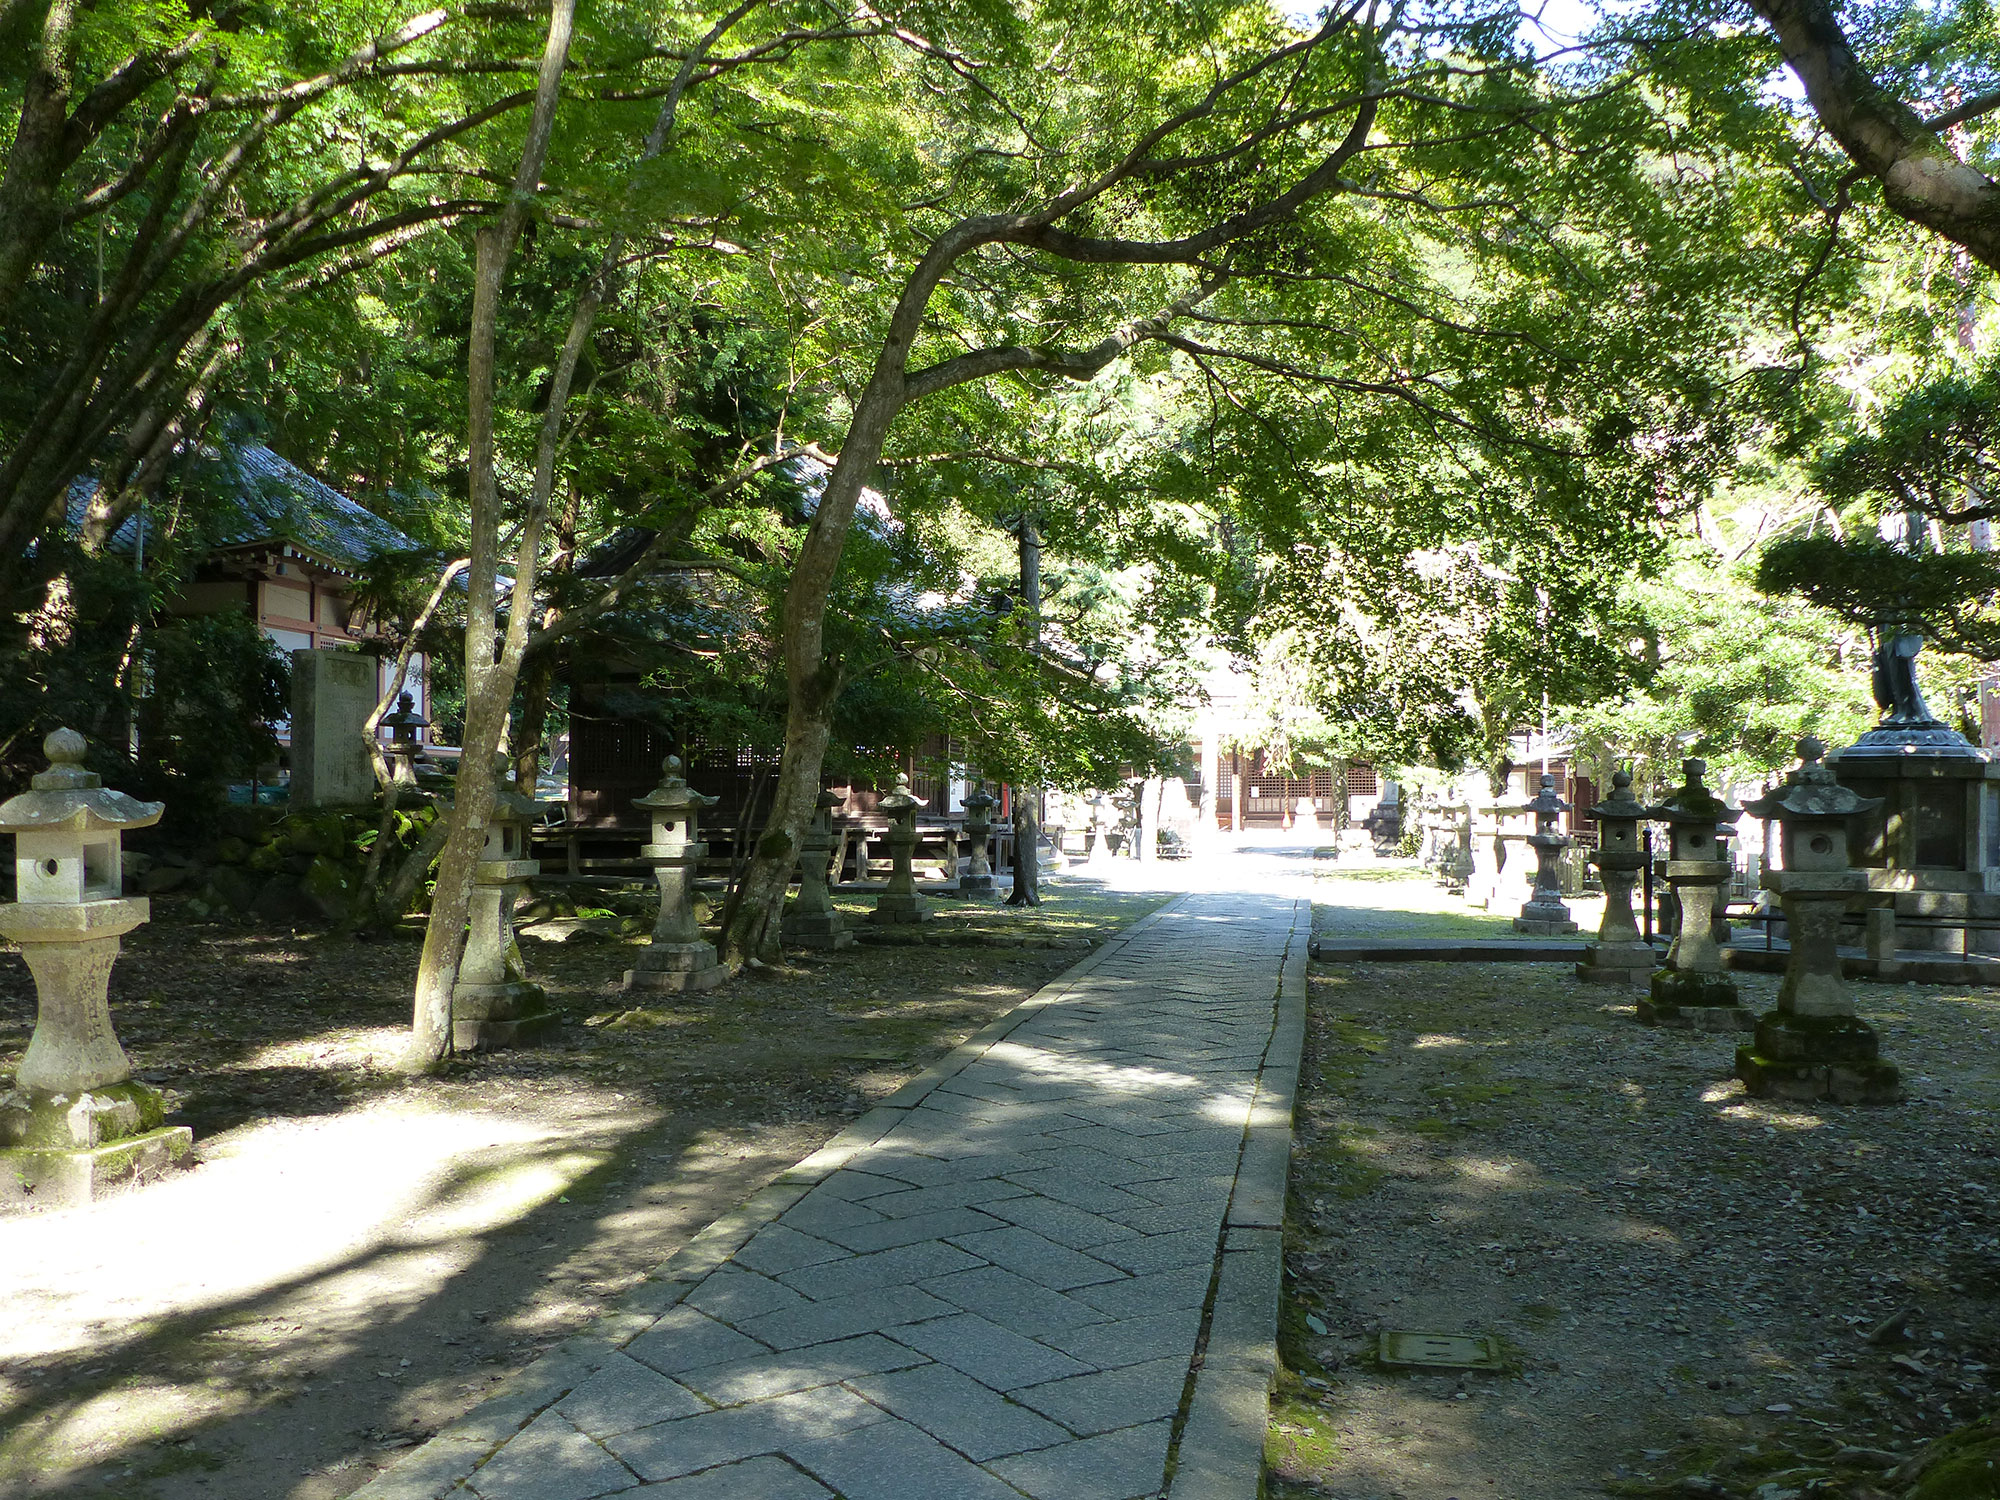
point(232, 886)
point(1685, 987)
point(329, 887)
point(1962, 1465)
point(1973, 1476)
point(41, 1119)
point(1785, 1036)
point(1867, 1082)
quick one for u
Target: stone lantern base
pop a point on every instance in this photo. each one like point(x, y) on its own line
point(824, 930)
point(676, 967)
point(1815, 1058)
point(490, 1017)
point(61, 1149)
point(1545, 919)
point(1691, 1000)
point(976, 886)
point(896, 908)
point(1617, 963)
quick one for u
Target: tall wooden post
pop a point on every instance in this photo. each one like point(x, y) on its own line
point(1027, 797)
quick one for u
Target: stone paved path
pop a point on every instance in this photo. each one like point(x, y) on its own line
point(1001, 1293)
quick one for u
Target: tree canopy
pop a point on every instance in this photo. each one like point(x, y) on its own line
point(1412, 337)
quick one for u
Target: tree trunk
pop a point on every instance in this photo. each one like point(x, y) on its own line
point(813, 682)
point(35, 161)
point(539, 674)
point(750, 929)
point(491, 666)
point(1922, 179)
point(1027, 796)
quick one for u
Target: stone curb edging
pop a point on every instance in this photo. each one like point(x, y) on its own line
point(436, 1467)
point(1221, 1451)
point(904, 938)
point(1446, 950)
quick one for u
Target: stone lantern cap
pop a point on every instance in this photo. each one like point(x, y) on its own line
point(673, 794)
point(68, 799)
point(404, 723)
point(1808, 794)
point(510, 804)
point(900, 801)
point(979, 798)
point(1692, 803)
point(817, 835)
point(1547, 801)
point(1620, 804)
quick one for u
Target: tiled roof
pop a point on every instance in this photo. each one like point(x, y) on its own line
point(274, 500)
point(264, 498)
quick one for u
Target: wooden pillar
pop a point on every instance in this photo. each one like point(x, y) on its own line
point(1236, 791)
point(1209, 771)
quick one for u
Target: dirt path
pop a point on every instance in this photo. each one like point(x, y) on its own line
point(1684, 1278)
point(359, 1256)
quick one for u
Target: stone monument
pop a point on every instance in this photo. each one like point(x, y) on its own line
point(76, 1122)
point(495, 1004)
point(812, 920)
point(677, 958)
point(1813, 1046)
point(977, 881)
point(333, 693)
point(1619, 956)
point(1691, 989)
point(900, 902)
point(1544, 914)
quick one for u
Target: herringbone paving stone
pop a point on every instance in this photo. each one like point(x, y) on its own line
point(999, 1298)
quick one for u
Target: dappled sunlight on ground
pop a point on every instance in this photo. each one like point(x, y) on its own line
point(326, 1231)
point(1682, 1276)
point(1665, 1286)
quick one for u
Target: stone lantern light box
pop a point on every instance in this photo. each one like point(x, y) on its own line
point(68, 864)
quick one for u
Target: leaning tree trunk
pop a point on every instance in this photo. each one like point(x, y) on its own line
point(750, 930)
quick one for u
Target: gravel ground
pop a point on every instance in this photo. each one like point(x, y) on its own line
point(1684, 1280)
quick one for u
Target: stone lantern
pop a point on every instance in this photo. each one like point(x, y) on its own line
point(978, 877)
point(1692, 990)
point(1491, 882)
point(812, 920)
point(1097, 833)
point(676, 958)
point(76, 1122)
point(1813, 1046)
point(1618, 956)
point(495, 1004)
point(405, 747)
point(1544, 914)
point(900, 901)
